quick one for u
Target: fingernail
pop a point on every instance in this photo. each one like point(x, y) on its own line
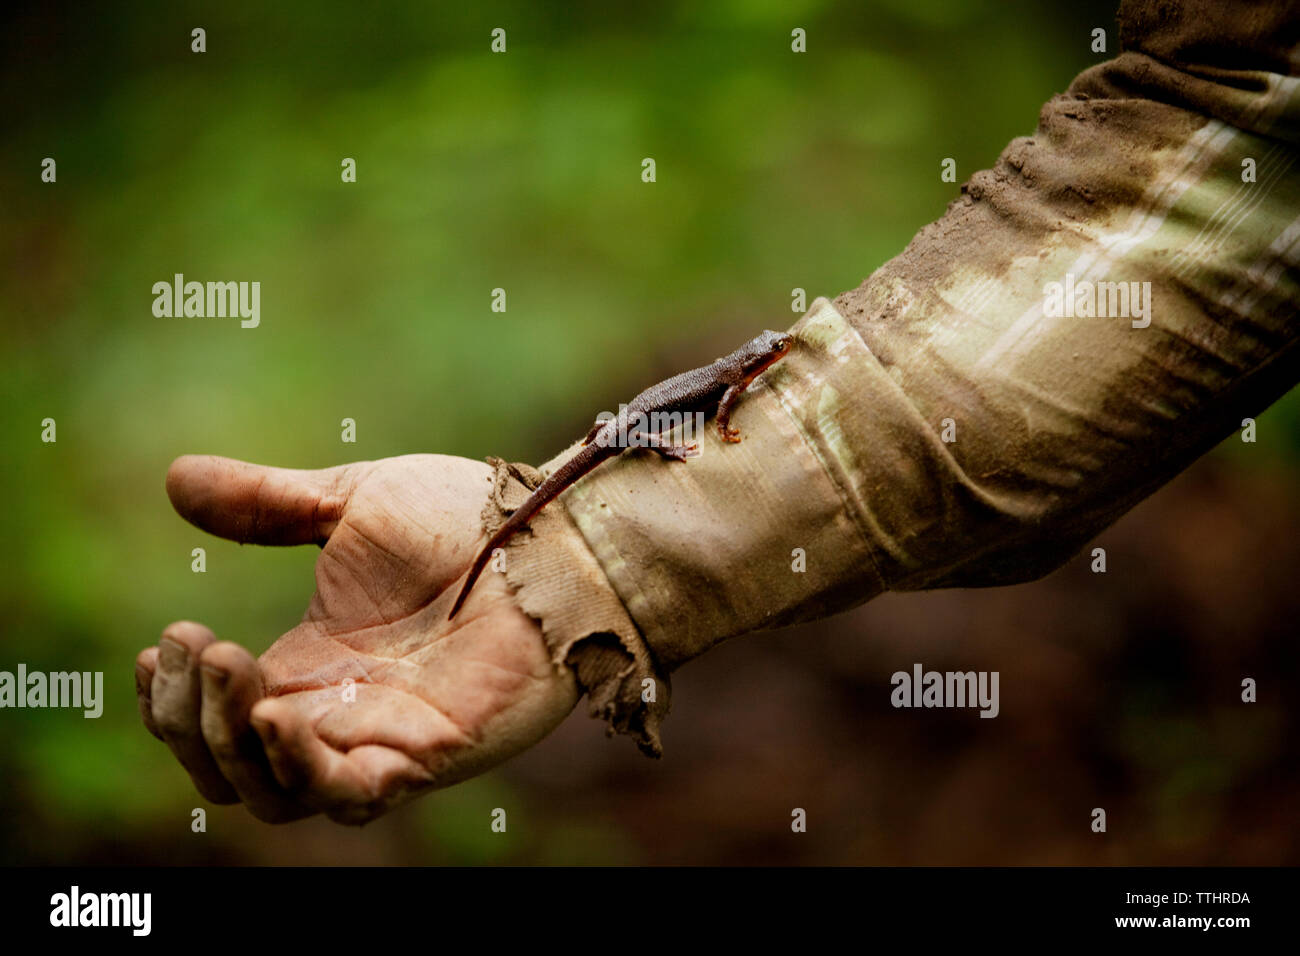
point(215, 675)
point(172, 654)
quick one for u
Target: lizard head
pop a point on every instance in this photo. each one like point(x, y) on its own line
point(764, 350)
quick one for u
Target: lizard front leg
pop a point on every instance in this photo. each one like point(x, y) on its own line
point(729, 399)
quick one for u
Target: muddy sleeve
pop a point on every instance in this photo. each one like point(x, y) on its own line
point(1116, 296)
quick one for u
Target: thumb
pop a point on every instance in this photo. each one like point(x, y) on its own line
point(256, 503)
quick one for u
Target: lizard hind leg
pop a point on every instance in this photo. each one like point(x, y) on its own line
point(666, 448)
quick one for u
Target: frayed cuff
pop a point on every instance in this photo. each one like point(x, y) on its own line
point(558, 582)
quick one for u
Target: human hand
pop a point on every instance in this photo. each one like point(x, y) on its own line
point(431, 702)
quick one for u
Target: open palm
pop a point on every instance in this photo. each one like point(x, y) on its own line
point(375, 696)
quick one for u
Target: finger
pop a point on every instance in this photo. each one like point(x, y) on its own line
point(232, 684)
point(257, 503)
point(145, 665)
point(353, 787)
point(175, 697)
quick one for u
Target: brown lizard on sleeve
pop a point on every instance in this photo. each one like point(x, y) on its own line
point(723, 382)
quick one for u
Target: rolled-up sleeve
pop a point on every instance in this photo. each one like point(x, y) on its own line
point(1107, 303)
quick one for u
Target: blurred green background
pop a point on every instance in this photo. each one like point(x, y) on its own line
point(522, 171)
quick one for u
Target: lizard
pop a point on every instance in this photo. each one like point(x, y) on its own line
point(723, 381)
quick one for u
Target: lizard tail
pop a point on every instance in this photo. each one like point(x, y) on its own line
point(521, 516)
